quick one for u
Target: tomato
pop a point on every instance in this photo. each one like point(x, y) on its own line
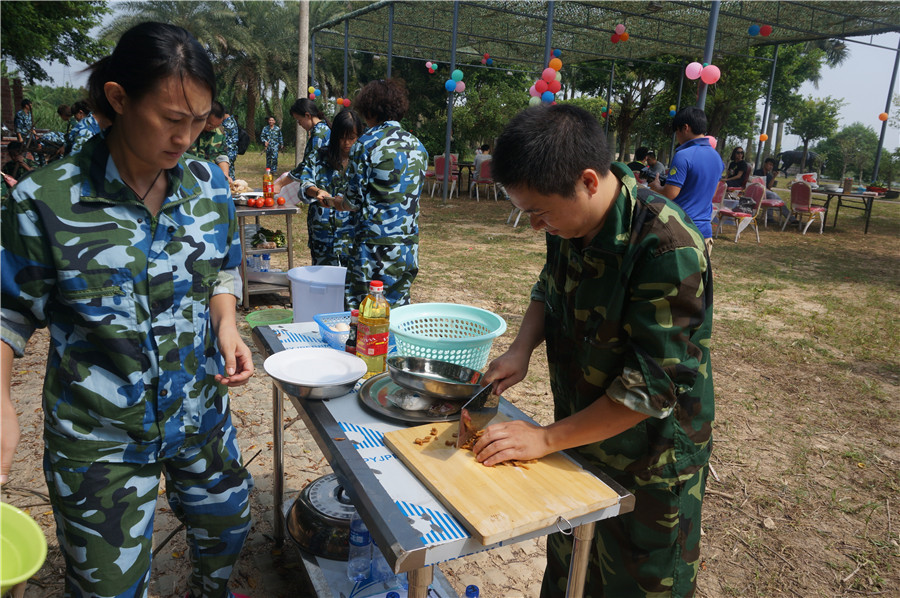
point(280, 201)
point(251, 202)
point(269, 202)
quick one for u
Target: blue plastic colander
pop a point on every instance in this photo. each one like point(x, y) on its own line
point(459, 334)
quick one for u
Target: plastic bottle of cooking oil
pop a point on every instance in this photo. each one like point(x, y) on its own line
point(373, 329)
point(268, 188)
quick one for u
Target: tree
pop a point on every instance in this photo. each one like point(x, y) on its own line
point(815, 119)
point(53, 31)
point(853, 147)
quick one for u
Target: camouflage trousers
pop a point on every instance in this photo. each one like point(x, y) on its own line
point(272, 159)
point(394, 265)
point(330, 236)
point(104, 517)
point(653, 551)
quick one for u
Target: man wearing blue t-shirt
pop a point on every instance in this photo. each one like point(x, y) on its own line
point(695, 171)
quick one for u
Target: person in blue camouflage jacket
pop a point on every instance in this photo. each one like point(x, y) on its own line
point(25, 132)
point(271, 139)
point(624, 303)
point(129, 252)
point(230, 126)
point(331, 232)
point(386, 174)
point(86, 126)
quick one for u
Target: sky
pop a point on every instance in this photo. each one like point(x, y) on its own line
point(862, 81)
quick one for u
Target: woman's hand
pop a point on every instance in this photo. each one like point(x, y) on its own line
point(515, 439)
point(238, 358)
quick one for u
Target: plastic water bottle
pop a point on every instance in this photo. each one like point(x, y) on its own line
point(359, 564)
point(381, 571)
point(264, 265)
point(472, 591)
point(392, 595)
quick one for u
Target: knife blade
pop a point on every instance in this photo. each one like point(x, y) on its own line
point(476, 414)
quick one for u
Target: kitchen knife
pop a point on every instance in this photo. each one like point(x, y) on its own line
point(476, 414)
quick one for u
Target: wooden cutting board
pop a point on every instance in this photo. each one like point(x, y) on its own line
point(504, 501)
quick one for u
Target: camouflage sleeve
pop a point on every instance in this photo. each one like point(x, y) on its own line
point(309, 176)
point(230, 282)
point(229, 277)
point(357, 173)
point(539, 290)
point(28, 272)
point(667, 304)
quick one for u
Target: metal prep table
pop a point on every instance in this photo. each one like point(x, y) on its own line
point(253, 288)
point(398, 509)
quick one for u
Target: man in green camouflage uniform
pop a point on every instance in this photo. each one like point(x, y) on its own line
point(211, 144)
point(624, 303)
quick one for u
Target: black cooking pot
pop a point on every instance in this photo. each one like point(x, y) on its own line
point(319, 520)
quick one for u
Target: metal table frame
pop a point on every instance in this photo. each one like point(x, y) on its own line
point(253, 288)
point(390, 528)
point(848, 200)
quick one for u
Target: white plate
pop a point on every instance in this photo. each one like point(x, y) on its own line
point(313, 366)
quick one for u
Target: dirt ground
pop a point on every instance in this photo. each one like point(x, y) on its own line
point(803, 502)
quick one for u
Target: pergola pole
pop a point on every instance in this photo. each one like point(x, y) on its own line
point(450, 97)
point(677, 108)
point(887, 108)
point(346, 53)
point(306, 63)
point(612, 74)
point(390, 53)
point(547, 40)
point(767, 111)
point(708, 50)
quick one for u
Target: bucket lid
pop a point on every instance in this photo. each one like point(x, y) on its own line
point(319, 274)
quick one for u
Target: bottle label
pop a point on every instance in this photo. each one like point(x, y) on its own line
point(359, 538)
point(371, 344)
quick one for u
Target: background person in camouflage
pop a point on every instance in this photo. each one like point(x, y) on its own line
point(211, 144)
point(386, 172)
point(86, 126)
point(129, 252)
point(230, 126)
point(331, 232)
point(270, 137)
point(624, 303)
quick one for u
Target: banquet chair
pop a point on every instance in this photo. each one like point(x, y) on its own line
point(484, 177)
point(742, 220)
point(801, 193)
point(718, 196)
point(439, 162)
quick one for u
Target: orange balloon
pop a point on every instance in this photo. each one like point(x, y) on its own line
point(763, 137)
point(555, 64)
point(624, 37)
point(883, 116)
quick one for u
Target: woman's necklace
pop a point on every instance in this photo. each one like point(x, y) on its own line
point(150, 188)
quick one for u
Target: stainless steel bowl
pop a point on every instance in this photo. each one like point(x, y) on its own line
point(435, 378)
point(329, 391)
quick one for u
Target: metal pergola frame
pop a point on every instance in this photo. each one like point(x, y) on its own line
point(523, 33)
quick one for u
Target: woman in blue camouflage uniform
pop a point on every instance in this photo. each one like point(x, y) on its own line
point(324, 176)
point(387, 171)
point(129, 252)
point(271, 140)
point(624, 304)
point(230, 126)
point(86, 126)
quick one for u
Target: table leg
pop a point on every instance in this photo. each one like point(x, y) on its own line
point(245, 285)
point(278, 465)
point(837, 210)
point(419, 580)
point(869, 203)
point(581, 554)
point(290, 240)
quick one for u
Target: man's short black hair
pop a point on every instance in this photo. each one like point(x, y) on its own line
point(217, 110)
point(693, 117)
point(485, 147)
point(770, 159)
point(546, 148)
point(25, 102)
point(651, 154)
point(640, 153)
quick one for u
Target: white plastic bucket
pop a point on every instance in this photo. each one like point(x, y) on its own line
point(316, 290)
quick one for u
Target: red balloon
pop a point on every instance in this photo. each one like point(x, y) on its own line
point(614, 38)
point(765, 30)
point(554, 86)
point(541, 86)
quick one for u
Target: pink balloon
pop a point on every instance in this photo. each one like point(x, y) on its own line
point(548, 74)
point(484, 61)
point(460, 86)
point(712, 141)
point(554, 86)
point(710, 74)
point(692, 71)
point(620, 28)
point(428, 64)
point(541, 86)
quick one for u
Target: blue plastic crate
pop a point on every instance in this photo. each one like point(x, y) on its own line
point(337, 339)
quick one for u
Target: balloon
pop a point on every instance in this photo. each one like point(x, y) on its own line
point(763, 137)
point(339, 101)
point(460, 87)
point(620, 28)
point(672, 107)
point(692, 71)
point(533, 92)
point(548, 75)
point(318, 92)
point(712, 141)
point(311, 89)
point(434, 65)
point(624, 37)
point(490, 61)
point(557, 53)
point(486, 55)
point(547, 96)
point(431, 70)
point(605, 114)
point(312, 96)
point(347, 102)
point(555, 64)
point(671, 113)
point(883, 116)
point(534, 101)
point(765, 30)
point(614, 38)
point(603, 109)
point(541, 86)
point(753, 29)
point(710, 74)
point(457, 75)
point(554, 86)
point(428, 64)
point(484, 61)
point(450, 85)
